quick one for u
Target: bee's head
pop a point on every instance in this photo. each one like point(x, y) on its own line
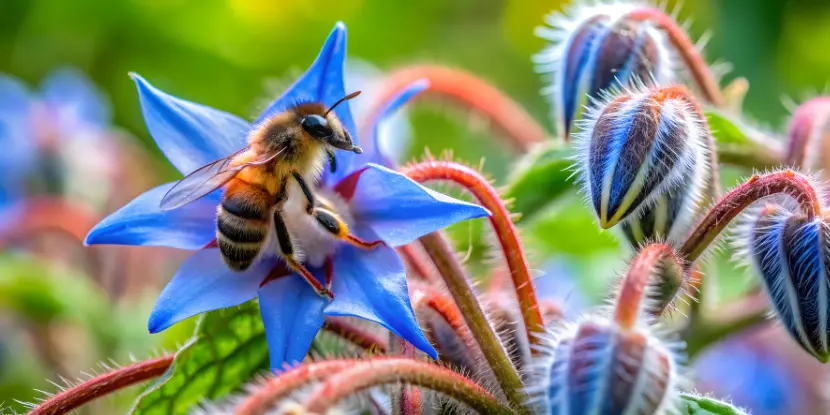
point(328, 128)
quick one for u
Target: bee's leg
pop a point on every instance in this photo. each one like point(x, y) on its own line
point(287, 251)
point(332, 223)
point(332, 160)
point(306, 191)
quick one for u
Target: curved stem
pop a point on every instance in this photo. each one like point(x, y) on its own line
point(384, 371)
point(703, 76)
point(470, 91)
point(652, 261)
point(426, 297)
point(355, 335)
point(102, 385)
point(456, 279)
point(754, 189)
point(264, 397)
point(503, 227)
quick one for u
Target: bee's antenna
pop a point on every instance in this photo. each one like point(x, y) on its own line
point(346, 98)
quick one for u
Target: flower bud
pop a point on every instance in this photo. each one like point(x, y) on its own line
point(643, 159)
point(808, 139)
point(597, 366)
point(597, 48)
point(792, 254)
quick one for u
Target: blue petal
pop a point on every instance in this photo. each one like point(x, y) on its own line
point(16, 139)
point(323, 82)
point(372, 148)
point(75, 100)
point(293, 314)
point(142, 223)
point(190, 135)
point(399, 210)
point(204, 283)
point(371, 284)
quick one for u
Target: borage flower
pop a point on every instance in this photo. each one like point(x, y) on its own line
point(377, 203)
point(58, 132)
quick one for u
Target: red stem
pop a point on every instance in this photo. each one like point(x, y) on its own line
point(424, 296)
point(387, 370)
point(356, 335)
point(688, 52)
point(411, 400)
point(258, 402)
point(731, 205)
point(640, 273)
point(470, 91)
point(503, 227)
point(102, 385)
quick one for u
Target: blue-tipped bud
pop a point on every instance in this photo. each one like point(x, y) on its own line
point(792, 254)
point(598, 367)
point(594, 49)
point(643, 161)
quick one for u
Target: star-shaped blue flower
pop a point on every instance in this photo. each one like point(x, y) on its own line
point(385, 205)
point(66, 108)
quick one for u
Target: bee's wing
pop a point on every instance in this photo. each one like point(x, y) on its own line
point(208, 178)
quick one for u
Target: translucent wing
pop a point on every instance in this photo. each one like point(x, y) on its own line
point(208, 178)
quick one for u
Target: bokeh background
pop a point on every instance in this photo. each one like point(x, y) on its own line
point(65, 308)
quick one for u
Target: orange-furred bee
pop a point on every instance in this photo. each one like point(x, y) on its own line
point(291, 145)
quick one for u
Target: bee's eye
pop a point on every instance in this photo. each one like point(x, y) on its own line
point(316, 125)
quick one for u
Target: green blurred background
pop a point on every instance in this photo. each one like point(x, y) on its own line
point(230, 53)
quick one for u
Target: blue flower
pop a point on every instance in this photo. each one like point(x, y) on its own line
point(378, 204)
point(66, 110)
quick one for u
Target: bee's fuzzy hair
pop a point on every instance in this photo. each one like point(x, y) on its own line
point(554, 353)
point(694, 163)
point(560, 27)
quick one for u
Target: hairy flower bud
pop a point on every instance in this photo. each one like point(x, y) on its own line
point(643, 159)
point(597, 48)
point(792, 254)
point(597, 366)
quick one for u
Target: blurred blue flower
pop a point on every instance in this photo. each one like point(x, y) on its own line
point(67, 110)
point(378, 204)
point(758, 370)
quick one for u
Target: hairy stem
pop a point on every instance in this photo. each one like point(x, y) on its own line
point(384, 371)
point(503, 227)
point(355, 335)
point(732, 204)
point(279, 387)
point(426, 298)
point(472, 92)
point(703, 76)
point(103, 385)
point(459, 286)
point(407, 400)
point(653, 261)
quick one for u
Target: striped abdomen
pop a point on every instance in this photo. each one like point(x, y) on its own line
point(242, 223)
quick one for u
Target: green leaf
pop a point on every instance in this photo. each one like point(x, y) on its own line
point(539, 178)
point(740, 144)
point(702, 405)
point(227, 351)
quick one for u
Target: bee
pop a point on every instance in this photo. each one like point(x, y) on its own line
point(292, 145)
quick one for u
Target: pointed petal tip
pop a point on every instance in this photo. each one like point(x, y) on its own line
point(157, 323)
